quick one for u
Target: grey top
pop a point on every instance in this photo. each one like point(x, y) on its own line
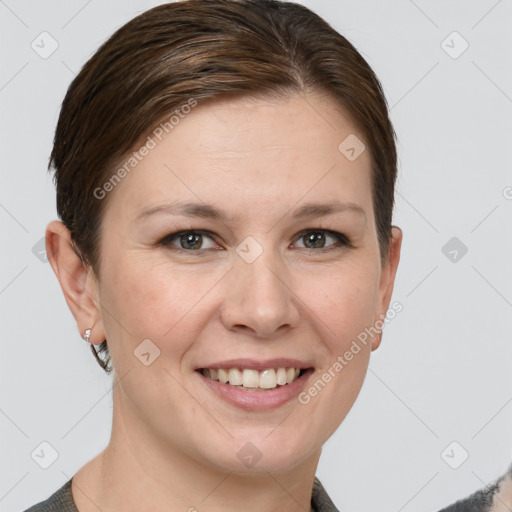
point(62, 500)
point(493, 498)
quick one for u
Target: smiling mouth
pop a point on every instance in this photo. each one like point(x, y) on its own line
point(254, 380)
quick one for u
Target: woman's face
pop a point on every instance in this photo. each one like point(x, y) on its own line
point(265, 278)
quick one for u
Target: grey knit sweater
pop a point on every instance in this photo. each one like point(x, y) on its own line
point(62, 500)
point(496, 497)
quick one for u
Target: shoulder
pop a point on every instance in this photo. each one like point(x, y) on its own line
point(60, 501)
point(488, 499)
point(320, 500)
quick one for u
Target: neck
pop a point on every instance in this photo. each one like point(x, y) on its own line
point(139, 470)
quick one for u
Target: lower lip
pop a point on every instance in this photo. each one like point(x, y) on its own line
point(258, 400)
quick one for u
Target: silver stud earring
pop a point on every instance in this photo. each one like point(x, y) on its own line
point(87, 334)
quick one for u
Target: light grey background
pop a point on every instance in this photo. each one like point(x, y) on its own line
point(442, 373)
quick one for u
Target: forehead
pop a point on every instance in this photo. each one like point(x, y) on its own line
point(252, 152)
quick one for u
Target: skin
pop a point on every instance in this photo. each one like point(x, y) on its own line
point(174, 443)
point(503, 500)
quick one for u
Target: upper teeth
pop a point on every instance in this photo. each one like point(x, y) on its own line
point(267, 379)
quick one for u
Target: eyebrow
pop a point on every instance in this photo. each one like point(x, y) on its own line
point(207, 211)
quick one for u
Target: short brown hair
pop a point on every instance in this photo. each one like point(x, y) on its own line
point(205, 49)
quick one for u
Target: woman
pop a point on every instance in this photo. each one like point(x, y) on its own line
point(225, 176)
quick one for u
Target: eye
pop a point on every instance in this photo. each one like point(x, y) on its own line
point(313, 239)
point(318, 238)
point(188, 240)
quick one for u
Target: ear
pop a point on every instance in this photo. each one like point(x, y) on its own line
point(387, 280)
point(78, 282)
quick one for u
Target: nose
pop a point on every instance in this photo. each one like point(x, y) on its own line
point(259, 300)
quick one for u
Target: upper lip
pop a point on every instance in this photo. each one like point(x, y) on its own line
point(253, 364)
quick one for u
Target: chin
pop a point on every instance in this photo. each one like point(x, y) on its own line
point(260, 453)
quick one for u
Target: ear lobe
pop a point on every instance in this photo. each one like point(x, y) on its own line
point(77, 281)
point(387, 280)
point(376, 341)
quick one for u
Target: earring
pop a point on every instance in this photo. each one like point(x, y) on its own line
point(87, 334)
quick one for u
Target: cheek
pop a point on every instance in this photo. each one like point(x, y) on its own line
point(171, 304)
point(155, 301)
point(341, 316)
point(345, 302)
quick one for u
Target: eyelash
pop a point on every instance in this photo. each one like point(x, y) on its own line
point(343, 240)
